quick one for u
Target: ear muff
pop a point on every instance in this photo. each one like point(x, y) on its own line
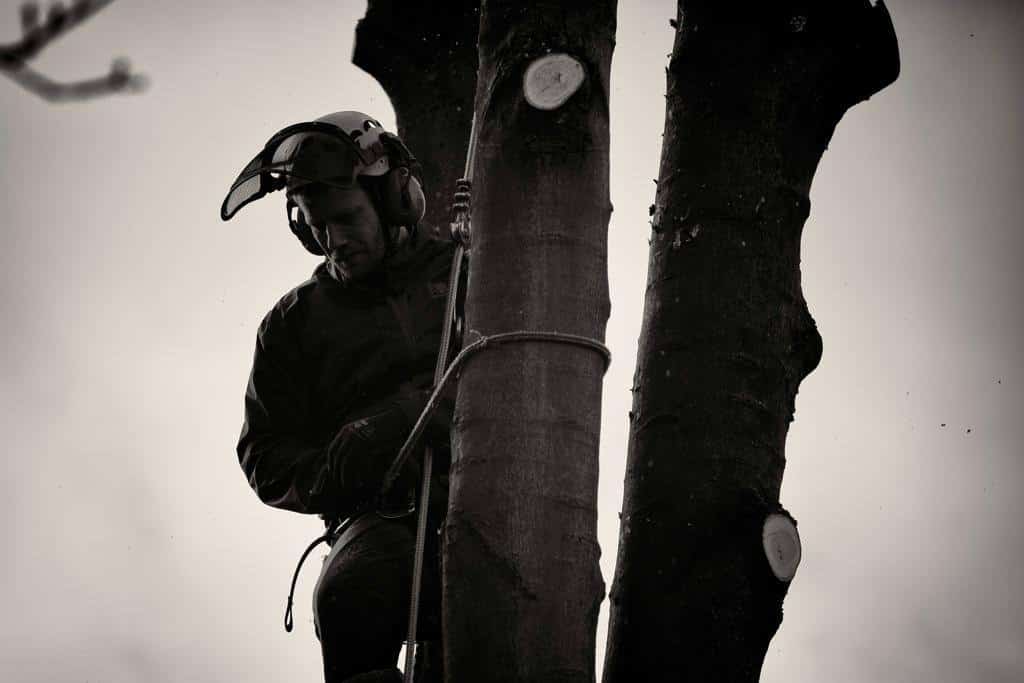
point(403, 201)
point(300, 228)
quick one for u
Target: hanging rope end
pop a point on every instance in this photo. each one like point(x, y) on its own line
point(289, 622)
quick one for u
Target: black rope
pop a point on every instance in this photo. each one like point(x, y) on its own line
point(328, 537)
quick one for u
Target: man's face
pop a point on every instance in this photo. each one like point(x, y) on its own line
point(346, 226)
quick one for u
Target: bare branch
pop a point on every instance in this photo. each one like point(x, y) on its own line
point(118, 80)
point(36, 35)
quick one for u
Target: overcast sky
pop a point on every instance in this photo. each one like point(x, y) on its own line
point(134, 549)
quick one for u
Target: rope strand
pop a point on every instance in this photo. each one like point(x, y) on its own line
point(289, 622)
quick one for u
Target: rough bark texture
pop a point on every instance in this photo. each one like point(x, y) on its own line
point(755, 91)
point(521, 577)
point(424, 55)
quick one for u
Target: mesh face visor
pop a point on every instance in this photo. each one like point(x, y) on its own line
point(313, 152)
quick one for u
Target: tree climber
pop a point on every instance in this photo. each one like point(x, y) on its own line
point(343, 366)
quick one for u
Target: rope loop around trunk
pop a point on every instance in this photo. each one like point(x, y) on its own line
point(465, 354)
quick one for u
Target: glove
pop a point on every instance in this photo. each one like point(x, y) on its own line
point(362, 451)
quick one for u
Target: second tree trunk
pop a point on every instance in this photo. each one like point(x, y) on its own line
point(754, 93)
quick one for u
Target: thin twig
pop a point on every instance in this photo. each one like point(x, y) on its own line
point(115, 81)
point(36, 35)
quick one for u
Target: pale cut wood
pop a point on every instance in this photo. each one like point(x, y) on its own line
point(551, 80)
point(781, 545)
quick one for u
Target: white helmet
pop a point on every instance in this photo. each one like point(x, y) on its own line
point(366, 132)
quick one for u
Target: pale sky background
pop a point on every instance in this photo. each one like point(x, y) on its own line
point(133, 547)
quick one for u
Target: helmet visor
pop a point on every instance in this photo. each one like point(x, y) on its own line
point(313, 152)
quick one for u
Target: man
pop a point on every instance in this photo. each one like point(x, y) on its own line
point(343, 366)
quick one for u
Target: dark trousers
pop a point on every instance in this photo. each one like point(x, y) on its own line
point(361, 601)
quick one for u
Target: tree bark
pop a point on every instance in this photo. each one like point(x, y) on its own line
point(521, 577)
point(424, 55)
point(755, 91)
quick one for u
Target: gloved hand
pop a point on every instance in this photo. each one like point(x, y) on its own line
point(362, 450)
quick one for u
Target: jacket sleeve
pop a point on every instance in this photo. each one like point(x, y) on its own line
point(283, 460)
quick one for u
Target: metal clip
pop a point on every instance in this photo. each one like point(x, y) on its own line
point(460, 225)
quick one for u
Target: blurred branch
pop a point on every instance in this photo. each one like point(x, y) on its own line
point(37, 34)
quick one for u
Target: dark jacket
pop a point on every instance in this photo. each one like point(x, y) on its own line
point(330, 353)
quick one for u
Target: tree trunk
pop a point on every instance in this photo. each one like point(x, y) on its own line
point(521, 577)
point(755, 91)
point(424, 55)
